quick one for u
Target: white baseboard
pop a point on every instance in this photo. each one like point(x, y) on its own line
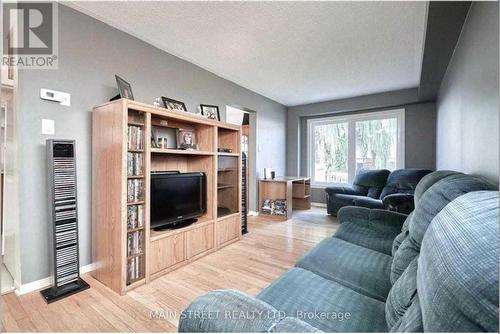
point(319, 205)
point(253, 213)
point(43, 283)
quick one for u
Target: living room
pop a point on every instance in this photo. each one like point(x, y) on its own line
point(249, 166)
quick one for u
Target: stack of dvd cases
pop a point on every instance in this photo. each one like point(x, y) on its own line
point(63, 203)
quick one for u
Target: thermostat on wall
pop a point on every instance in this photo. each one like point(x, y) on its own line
point(53, 95)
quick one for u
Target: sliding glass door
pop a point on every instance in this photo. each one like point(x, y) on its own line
point(339, 146)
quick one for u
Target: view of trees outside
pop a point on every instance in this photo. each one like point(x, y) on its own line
point(376, 144)
point(330, 161)
point(375, 148)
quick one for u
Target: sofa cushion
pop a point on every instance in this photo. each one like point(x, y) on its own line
point(457, 276)
point(403, 181)
point(365, 236)
point(324, 304)
point(370, 182)
point(207, 313)
point(361, 269)
point(431, 203)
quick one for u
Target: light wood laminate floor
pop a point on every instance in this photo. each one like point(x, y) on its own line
point(268, 250)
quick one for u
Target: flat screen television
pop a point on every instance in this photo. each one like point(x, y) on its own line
point(177, 199)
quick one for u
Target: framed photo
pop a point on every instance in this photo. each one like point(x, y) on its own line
point(210, 112)
point(173, 104)
point(186, 139)
point(124, 88)
point(154, 138)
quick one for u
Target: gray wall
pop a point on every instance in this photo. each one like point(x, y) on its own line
point(420, 128)
point(467, 107)
point(90, 53)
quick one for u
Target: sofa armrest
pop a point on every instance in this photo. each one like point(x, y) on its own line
point(403, 203)
point(378, 219)
point(341, 190)
point(369, 203)
point(231, 311)
point(354, 214)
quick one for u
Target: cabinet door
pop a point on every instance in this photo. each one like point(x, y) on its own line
point(166, 252)
point(228, 229)
point(200, 240)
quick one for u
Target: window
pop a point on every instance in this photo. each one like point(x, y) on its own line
point(338, 146)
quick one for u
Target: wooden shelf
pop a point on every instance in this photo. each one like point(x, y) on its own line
point(180, 152)
point(227, 170)
point(228, 215)
point(166, 250)
point(135, 203)
point(135, 283)
point(228, 154)
point(155, 235)
point(225, 186)
point(130, 230)
point(135, 123)
point(301, 197)
point(135, 255)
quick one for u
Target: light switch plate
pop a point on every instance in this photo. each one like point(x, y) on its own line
point(48, 127)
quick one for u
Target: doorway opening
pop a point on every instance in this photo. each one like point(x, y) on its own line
point(247, 119)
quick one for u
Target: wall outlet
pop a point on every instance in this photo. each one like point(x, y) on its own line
point(48, 127)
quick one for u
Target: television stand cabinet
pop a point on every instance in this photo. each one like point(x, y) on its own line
point(128, 253)
point(295, 190)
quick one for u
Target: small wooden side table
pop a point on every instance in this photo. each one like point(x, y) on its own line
point(295, 190)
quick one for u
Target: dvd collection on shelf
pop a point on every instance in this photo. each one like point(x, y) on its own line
point(135, 213)
point(274, 207)
point(135, 216)
point(134, 243)
point(135, 164)
point(66, 237)
point(134, 269)
point(135, 137)
point(135, 190)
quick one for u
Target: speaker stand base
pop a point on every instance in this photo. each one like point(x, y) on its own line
point(53, 294)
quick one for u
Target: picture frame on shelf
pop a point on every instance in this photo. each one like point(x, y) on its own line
point(162, 142)
point(154, 141)
point(187, 139)
point(173, 104)
point(210, 111)
point(124, 88)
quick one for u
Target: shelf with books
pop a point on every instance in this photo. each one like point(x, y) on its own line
point(135, 190)
point(135, 138)
point(130, 252)
point(136, 183)
point(135, 268)
point(180, 152)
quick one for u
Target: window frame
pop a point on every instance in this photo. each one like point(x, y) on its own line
point(399, 114)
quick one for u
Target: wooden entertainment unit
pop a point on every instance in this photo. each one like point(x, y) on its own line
point(120, 215)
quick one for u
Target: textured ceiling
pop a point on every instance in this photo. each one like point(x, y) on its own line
point(291, 52)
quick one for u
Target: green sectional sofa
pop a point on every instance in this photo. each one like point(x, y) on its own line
point(435, 270)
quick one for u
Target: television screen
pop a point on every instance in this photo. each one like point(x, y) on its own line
point(177, 197)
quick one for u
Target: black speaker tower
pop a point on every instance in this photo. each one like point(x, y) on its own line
point(63, 205)
point(244, 199)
